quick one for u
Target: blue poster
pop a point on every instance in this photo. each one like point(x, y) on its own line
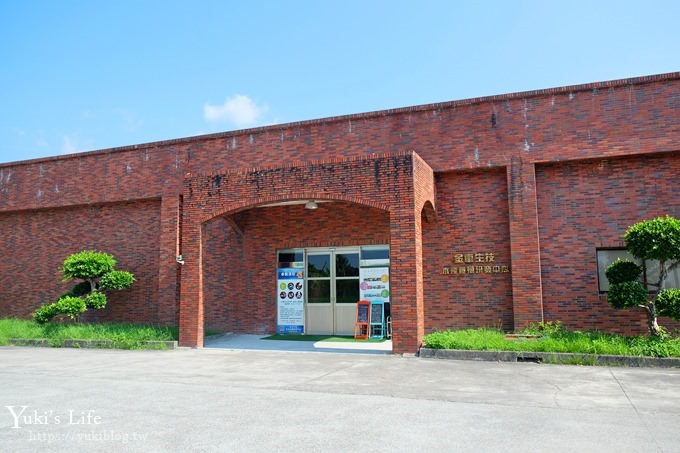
point(291, 301)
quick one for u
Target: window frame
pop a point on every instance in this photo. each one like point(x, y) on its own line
point(641, 262)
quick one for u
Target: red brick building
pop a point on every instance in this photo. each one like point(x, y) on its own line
point(490, 212)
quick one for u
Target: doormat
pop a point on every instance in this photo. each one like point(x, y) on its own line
point(333, 338)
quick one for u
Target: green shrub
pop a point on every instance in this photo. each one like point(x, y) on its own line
point(623, 271)
point(87, 264)
point(668, 303)
point(652, 347)
point(483, 339)
point(124, 336)
point(95, 300)
point(650, 240)
point(555, 339)
point(96, 269)
point(544, 328)
point(70, 306)
point(627, 294)
point(116, 280)
point(656, 239)
point(45, 313)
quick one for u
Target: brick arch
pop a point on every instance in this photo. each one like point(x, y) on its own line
point(427, 212)
point(249, 203)
point(399, 183)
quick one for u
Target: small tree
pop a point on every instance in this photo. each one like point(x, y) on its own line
point(650, 240)
point(97, 273)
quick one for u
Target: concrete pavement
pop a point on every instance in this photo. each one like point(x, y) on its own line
point(258, 342)
point(237, 400)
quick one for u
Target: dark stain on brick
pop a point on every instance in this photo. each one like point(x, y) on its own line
point(516, 179)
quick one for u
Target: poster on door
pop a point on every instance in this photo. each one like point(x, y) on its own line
point(374, 284)
point(291, 301)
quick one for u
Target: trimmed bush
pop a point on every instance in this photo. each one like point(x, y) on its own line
point(623, 271)
point(87, 264)
point(70, 306)
point(627, 295)
point(656, 239)
point(46, 313)
point(95, 300)
point(650, 240)
point(668, 303)
point(116, 280)
point(96, 269)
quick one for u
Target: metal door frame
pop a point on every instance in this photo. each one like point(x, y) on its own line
point(333, 305)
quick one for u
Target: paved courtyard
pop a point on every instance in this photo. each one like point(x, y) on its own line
point(250, 400)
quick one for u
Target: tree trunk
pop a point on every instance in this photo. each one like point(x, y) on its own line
point(654, 329)
point(651, 320)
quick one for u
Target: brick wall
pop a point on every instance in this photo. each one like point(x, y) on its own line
point(227, 287)
point(472, 217)
point(589, 204)
point(34, 245)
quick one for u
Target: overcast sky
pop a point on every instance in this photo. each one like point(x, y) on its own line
point(84, 75)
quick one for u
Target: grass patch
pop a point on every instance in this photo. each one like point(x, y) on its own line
point(555, 339)
point(334, 338)
point(124, 336)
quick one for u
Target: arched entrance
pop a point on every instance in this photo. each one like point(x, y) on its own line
point(248, 254)
point(398, 186)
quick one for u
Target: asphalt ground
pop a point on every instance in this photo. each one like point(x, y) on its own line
point(72, 400)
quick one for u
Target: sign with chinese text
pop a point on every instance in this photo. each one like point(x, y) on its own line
point(475, 263)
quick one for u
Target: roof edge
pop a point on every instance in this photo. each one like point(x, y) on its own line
point(640, 80)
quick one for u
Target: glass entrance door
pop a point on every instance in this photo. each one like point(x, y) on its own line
point(332, 290)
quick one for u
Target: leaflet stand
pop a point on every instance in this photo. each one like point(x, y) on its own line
point(377, 320)
point(361, 326)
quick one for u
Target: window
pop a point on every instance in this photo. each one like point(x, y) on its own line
point(375, 255)
point(652, 272)
point(650, 268)
point(319, 278)
point(346, 278)
point(291, 258)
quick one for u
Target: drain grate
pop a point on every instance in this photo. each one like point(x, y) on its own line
point(530, 359)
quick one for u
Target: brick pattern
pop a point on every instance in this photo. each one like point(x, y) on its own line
point(168, 269)
point(590, 204)
point(472, 217)
point(524, 244)
point(228, 304)
point(424, 201)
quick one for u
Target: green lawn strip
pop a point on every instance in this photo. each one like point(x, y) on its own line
point(328, 338)
point(564, 341)
point(123, 336)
